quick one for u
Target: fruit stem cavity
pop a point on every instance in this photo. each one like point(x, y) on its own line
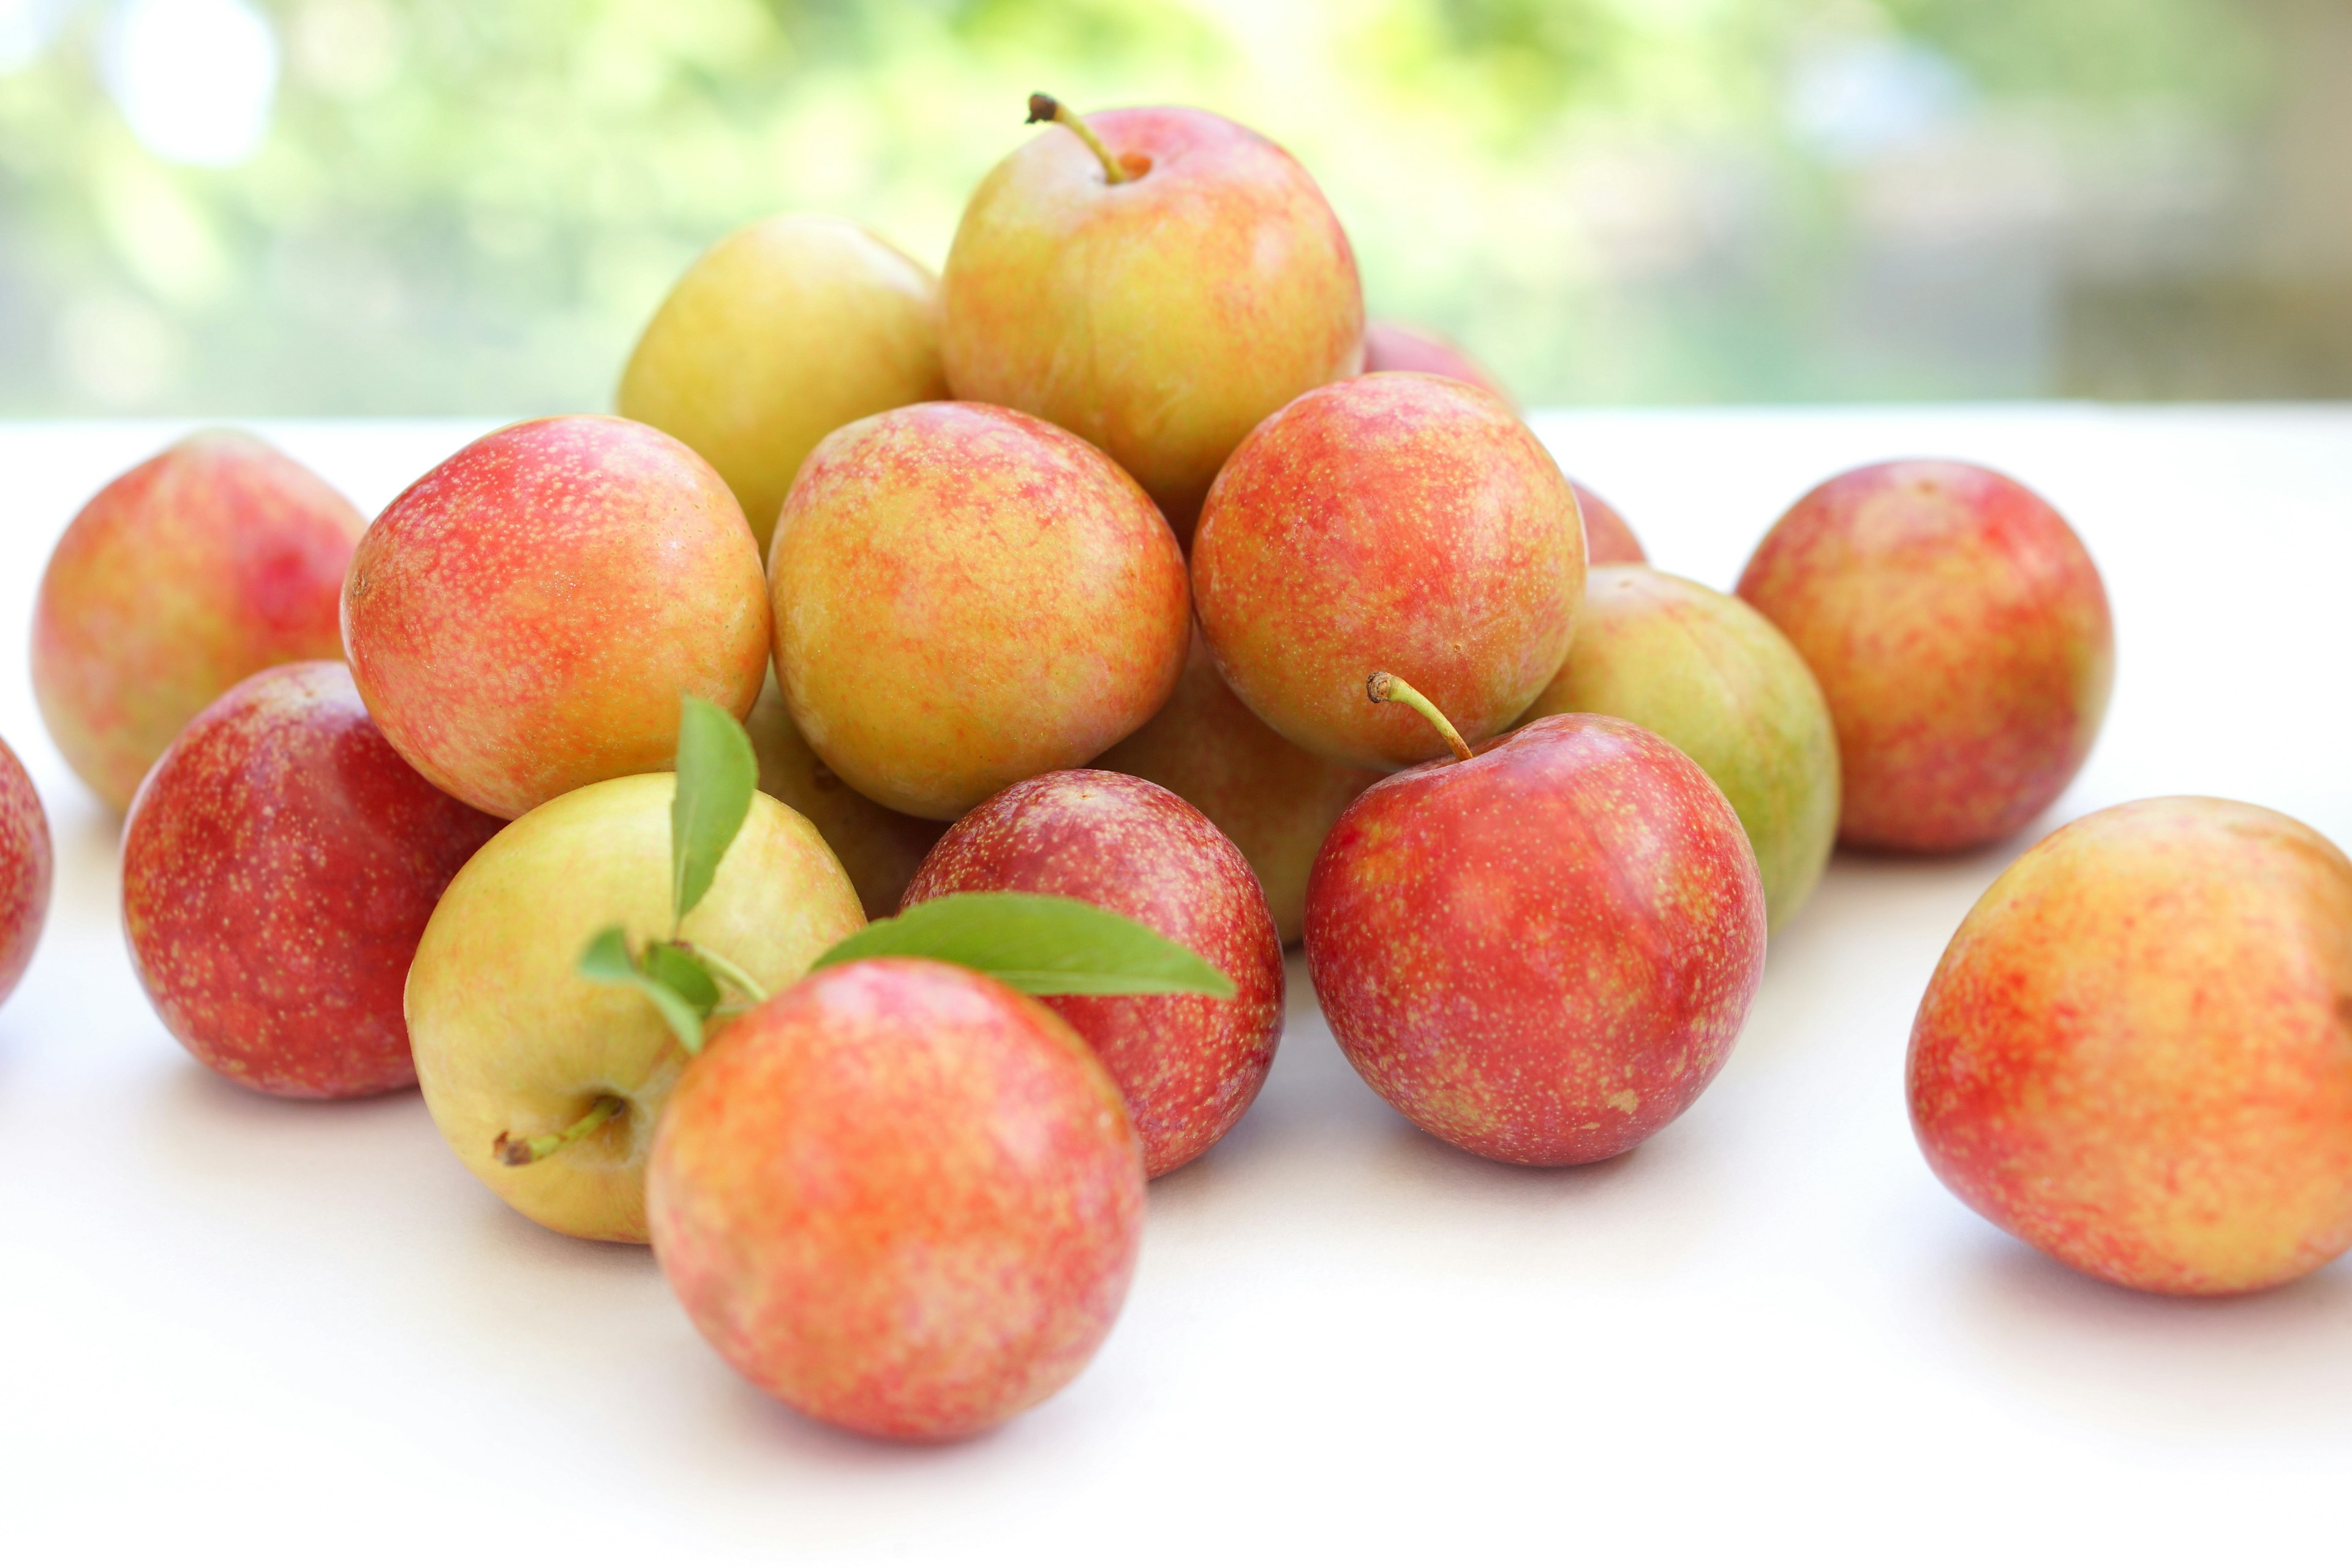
point(1386, 687)
point(1044, 107)
point(508, 1150)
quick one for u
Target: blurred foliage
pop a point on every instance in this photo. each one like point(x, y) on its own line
point(470, 206)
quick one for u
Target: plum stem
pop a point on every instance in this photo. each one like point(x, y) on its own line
point(1044, 107)
point(728, 972)
point(1386, 687)
point(509, 1150)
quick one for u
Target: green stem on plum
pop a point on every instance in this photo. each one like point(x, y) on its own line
point(507, 1151)
point(1386, 687)
point(728, 972)
point(1044, 107)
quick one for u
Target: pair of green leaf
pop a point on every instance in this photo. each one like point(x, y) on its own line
point(1042, 944)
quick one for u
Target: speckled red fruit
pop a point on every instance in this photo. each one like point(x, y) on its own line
point(1159, 318)
point(1392, 345)
point(900, 1197)
point(966, 596)
point(523, 619)
point(2136, 1053)
point(1274, 800)
point(1189, 1065)
point(1544, 954)
point(1399, 521)
point(1960, 633)
point(278, 866)
point(213, 559)
point(25, 864)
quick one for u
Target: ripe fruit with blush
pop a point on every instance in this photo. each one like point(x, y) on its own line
point(2136, 1053)
point(523, 619)
point(1159, 298)
point(782, 332)
point(1961, 635)
point(278, 866)
point(877, 847)
point(1397, 520)
point(1274, 801)
point(900, 1197)
point(216, 557)
point(965, 596)
point(513, 1042)
point(1542, 954)
point(1713, 677)
point(27, 863)
point(1189, 1065)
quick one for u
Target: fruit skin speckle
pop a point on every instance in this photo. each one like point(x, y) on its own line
point(2136, 1052)
point(966, 596)
point(523, 620)
point(1961, 635)
point(1396, 521)
point(1545, 954)
point(900, 1197)
point(216, 557)
point(278, 866)
point(28, 862)
point(1188, 1066)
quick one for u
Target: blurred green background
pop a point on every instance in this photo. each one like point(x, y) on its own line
point(326, 206)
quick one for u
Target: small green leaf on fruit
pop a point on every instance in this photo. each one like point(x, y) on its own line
point(717, 773)
point(606, 961)
point(1036, 943)
point(673, 966)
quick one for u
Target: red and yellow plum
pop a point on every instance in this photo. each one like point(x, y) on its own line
point(900, 1197)
point(2136, 1053)
point(1544, 954)
point(1189, 1065)
point(279, 867)
point(216, 557)
point(1960, 633)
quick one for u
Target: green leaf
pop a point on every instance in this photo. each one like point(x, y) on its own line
point(671, 964)
point(717, 773)
point(1036, 943)
point(606, 961)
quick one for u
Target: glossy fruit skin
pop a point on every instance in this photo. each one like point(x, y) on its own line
point(877, 847)
point(1187, 1066)
point(779, 335)
point(1400, 522)
point(523, 620)
point(1545, 954)
point(1711, 677)
point(2136, 1053)
point(1274, 800)
point(1207, 293)
point(216, 557)
point(966, 596)
point(900, 1197)
point(1961, 635)
point(28, 862)
point(510, 1038)
point(279, 867)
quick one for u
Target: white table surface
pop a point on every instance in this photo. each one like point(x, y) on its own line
point(240, 1329)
